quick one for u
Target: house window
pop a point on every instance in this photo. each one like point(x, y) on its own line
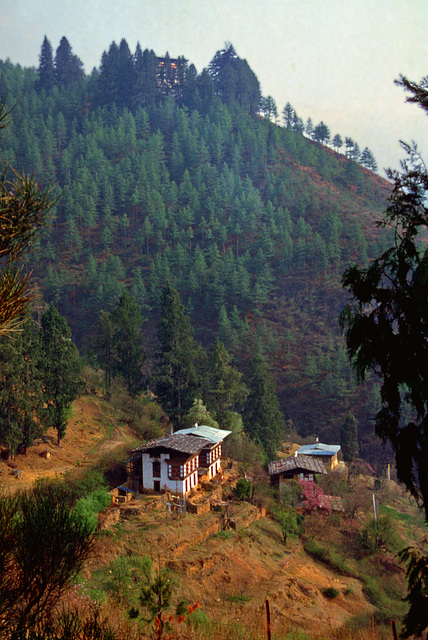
point(156, 486)
point(175, 472)
point(156, 469)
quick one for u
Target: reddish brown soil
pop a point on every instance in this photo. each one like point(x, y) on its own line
point(92, 432)
point(231, 574)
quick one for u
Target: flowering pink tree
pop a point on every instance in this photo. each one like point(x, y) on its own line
point(314, 497)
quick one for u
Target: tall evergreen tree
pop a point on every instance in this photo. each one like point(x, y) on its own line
point(367, 160)
point(128, 343)
point(20, 390)
point(349, 438)
point(103, 345)
point(46, 71)
point(146, 67)
point(288, 116)
point(321, 133)
point(337, 142)
point(177, 379)
point(60, 368)
point(224, 386)
point(263, 419)
point(268, 108)
point(68, 67)
point(234, 81)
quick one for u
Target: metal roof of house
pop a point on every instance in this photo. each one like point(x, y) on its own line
point(293, 463)
point(209, 433)
point(176, 442)
point(319, 449)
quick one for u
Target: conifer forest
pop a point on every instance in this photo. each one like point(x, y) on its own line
point(198, 228)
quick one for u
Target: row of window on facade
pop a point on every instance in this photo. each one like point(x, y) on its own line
point(183, 470)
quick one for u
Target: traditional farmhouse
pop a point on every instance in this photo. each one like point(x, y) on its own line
point(296, 467)
point(176, 462)
point(327, 453)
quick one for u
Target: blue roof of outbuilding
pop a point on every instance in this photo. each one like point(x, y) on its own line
point(319, 449)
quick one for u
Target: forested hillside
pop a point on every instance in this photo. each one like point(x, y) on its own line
point(164, 175)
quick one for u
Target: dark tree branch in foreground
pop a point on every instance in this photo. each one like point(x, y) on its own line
point(386, 329)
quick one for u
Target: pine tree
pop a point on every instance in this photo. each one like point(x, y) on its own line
point(349, 438)
point(103, 345)
point(337, 142)
point(367, 160)
point(321, 133)
point(177, 379)
point(60, 368)
point(20, 390)
point(128, 343)
point(68, 67)
point(263, 419)
point(224, 387)
point(234, 81)
point(46, 79)
point(146, 67)
point(288, 116)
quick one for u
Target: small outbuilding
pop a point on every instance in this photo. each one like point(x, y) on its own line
point(326, 453)
point(296, 467)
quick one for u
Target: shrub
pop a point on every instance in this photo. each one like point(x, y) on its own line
point(88, 508)
point(243, 489)
point(379, 534)
point(290, 493)
point(287, 520)
point(126, 571)
point(330, 593)
point(42, 549)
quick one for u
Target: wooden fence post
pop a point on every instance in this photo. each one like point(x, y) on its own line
point(268, 620)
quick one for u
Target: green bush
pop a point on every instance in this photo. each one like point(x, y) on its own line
point(377, 535)
point(126, 572)
point(330, 593)
point(224, 535)
point(88, 508)
point(287, 520)
point(290, 493)
point(243, 489)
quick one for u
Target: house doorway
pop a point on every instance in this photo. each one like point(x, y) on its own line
point(156, 485)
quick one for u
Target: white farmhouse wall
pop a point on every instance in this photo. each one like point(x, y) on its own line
point(175, 486)
point(147, 468)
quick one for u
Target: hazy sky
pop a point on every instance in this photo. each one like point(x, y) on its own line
point(333, 60)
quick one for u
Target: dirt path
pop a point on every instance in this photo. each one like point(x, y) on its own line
point(92, 433)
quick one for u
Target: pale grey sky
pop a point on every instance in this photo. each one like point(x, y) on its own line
point(334, 60)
